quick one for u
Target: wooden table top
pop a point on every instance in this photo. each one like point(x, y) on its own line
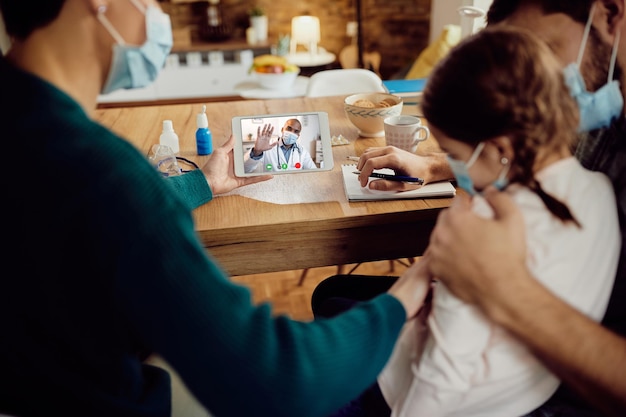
point(292, 221)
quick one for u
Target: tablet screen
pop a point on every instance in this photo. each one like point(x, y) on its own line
point(282, 144)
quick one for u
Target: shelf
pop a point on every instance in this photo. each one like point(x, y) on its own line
point(229, 45)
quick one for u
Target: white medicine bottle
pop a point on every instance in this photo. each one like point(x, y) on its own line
point(169, 137)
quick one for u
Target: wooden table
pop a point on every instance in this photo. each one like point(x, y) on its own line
point(292, 221)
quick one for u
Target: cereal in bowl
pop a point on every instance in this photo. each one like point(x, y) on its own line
point(365, 103)
point(368, 104)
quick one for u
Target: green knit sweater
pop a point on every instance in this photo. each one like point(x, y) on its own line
point(105, 263)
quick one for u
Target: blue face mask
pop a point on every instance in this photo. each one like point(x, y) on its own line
point(599, 108)
point(289, 138)
point(460, 170)
point(138, 66)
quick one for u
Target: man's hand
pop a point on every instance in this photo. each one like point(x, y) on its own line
point(220, 170)
point(263, 138)
point(413, 286)
point(431, 168)
point(479, 259)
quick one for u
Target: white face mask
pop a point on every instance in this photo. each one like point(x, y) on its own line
point(289, 138)
point(599, 108)
point(138, 66)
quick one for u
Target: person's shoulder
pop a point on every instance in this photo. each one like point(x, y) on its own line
point(570, 183)
point(589, 179)
point(570, 171)
point(89, 145)
point(580, 189)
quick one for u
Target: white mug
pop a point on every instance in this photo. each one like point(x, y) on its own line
point(405, 132)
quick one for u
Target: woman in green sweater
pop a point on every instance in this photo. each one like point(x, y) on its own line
point(108, 261)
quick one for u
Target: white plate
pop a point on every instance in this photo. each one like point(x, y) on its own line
point(252, 89)
point(306, 59)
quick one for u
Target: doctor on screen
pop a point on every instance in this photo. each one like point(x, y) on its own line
point(285, 154)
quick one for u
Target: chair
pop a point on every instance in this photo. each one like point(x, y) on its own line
point(343, 81)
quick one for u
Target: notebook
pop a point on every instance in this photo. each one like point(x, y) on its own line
point(354, 191)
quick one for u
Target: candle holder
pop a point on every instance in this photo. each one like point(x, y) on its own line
point(214, 28)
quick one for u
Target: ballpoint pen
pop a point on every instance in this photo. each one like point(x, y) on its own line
point(400, 178)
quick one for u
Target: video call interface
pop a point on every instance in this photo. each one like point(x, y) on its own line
point(305, 145)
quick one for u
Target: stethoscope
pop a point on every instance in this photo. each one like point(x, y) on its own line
point(297, 165)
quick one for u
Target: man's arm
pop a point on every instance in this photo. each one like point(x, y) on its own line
point(307, 160)
point(586, 356)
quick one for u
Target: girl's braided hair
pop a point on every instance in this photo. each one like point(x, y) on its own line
point(505, 82)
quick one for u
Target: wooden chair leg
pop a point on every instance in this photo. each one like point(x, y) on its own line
point(340, 270)
point(302, 276)
point(392, 265)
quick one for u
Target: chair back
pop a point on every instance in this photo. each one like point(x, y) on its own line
point(343, 81)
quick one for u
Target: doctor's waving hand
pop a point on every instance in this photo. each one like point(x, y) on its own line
point(263, 140)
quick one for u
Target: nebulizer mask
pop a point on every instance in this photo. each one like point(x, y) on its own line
point(289, 138)
point(138, 66)
point(460, 170)
point(599, 108)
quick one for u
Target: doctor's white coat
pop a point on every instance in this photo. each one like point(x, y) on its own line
point(275, 157)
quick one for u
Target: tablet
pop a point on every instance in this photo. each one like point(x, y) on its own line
point(282, 143)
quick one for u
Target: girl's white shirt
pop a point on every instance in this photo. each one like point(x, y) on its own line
point(458, 363)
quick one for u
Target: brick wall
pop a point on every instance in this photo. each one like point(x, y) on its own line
point(397, 29)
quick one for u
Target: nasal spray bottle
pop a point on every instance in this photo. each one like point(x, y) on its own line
point(204, 142)
point(169, 137)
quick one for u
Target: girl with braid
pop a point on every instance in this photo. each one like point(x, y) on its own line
point(499, 107)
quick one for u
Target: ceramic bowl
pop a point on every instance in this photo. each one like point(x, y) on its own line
point(367, 111)
point(276, 81)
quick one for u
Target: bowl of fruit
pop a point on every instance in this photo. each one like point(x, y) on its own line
point(274, 72)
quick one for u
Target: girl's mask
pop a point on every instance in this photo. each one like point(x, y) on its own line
point(460, 170)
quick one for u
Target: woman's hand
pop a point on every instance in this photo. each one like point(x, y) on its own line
point(220, 170)
point(413, 286)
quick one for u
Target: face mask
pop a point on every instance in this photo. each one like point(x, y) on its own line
point(138, 66)
point(599, 108)
point(460, 170)
point(289, 138)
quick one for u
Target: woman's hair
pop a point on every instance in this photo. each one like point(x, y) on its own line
point(22, 17)
point(505, 82)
